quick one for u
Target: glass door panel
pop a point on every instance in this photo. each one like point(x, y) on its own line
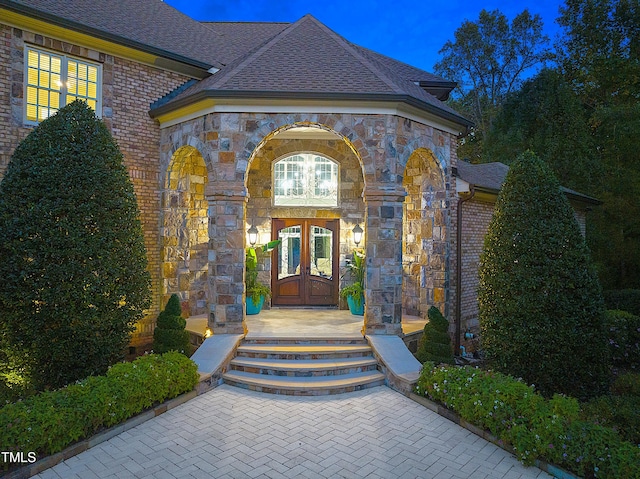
point(321, 250)
point(289, 253)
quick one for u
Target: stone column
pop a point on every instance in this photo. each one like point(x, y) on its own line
point(383, 288)
point(227, 206)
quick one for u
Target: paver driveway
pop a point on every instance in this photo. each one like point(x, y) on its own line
point(235, 433)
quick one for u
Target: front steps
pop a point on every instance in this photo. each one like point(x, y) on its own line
point(304, 367)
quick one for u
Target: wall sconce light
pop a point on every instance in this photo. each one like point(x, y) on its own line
point(208, 333)
point(253, 235)
point(357, 234)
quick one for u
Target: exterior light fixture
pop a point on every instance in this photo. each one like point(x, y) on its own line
point(253, 235)
point(357, 234)
point(208, 333)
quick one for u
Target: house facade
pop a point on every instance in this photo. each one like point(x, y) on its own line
point(228, 126)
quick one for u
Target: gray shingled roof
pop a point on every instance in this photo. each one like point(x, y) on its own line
point(148, 25)
point(308, 60)
point(242, 37)
point(260, 60)
point(490, 176)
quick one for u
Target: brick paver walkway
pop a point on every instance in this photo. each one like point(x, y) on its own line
point(235, 433)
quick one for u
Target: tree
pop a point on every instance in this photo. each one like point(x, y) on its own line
point(435, 344)
point(488, 60)
point(170, 334)
point(546, 116)
point(600, 49)
point(541, 307)
point(73, 269)
point(599, 54)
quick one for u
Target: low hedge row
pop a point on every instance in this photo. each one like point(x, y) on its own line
point(623, 299)
point(48, 422)
point(535, 427)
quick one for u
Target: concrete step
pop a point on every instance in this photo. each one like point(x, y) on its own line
point(305, 340)
point(304, 368)
point(305, 386)
point(302, 351)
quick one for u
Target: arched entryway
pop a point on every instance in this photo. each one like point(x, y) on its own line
point(424, 234)
point(305, 187)
point(185, 235)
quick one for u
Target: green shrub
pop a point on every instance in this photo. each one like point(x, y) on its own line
point(592, 450)
point(541, 307)
point(623, 329)
point(627, 384)
point(623, 299)
point(48, 422)
point(74, 268)
point(620, 413)
point(620, 410)
point(435, 344)
point(169, 334)
point(537, 428)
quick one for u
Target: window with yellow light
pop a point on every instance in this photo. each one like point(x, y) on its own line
point(53, 81)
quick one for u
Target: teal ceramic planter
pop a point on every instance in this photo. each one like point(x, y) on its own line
point(357, 310)
point(254, 308)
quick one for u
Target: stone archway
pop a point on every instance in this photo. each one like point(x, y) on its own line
point(261, 210)
point(185, 235)
point(424, 234)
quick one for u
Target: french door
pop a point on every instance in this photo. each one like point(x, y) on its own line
point(305, 269)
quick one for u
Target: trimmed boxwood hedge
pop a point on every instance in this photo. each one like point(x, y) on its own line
point(48, 422)
point(537, 428)
point(435, 344)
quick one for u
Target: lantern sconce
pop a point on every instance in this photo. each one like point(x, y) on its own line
point(357, 234)
point(253, 235)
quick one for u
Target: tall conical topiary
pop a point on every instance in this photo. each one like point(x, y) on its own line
point(170, 334)
point(541, 307)
point(435, 344)
point(73, 278)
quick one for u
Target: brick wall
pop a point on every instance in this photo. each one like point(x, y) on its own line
point(476, 216)
point(128, 90)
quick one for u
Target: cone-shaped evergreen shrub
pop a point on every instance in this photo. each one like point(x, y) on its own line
point(435, 344)
point(73, 279)
point(170, 334)
point(541, 306)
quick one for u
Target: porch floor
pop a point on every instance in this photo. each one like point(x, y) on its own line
point(301, 322)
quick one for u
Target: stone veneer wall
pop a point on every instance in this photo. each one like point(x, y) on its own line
point(425, 235)
point(127, 91)
point(229, 142)
point(185, 232)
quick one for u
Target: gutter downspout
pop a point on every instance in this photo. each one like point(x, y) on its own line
point(458, 317)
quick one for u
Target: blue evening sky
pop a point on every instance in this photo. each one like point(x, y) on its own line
point(412, 31)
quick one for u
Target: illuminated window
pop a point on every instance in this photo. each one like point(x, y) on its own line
point(54, 81)
point(305, 179)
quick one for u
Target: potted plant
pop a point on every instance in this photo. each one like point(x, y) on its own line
point(256, 292)
point(354, 293)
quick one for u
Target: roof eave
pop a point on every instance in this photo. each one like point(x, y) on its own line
point(280, 95)
point(190, 66)
point(440, 89)
point(570, 194)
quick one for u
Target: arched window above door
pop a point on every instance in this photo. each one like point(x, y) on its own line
point(305, 179)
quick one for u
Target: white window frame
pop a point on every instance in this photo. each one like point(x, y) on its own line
point(64, 96)
point(303, 188)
